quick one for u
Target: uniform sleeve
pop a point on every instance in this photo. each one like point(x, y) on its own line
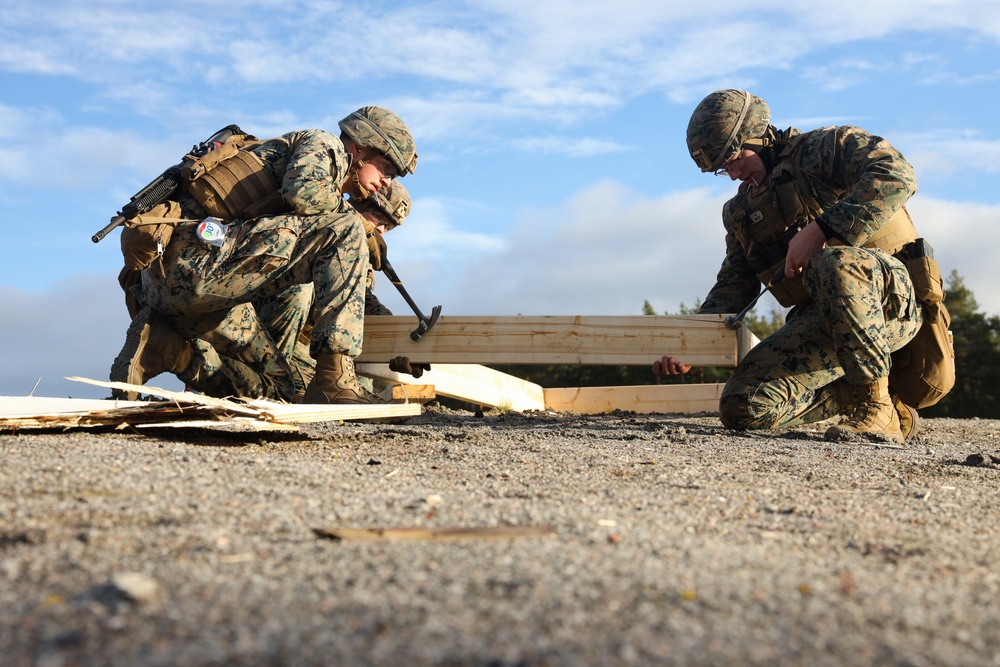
point(315, 172)
point(372, 304)
point(736, 284)
point(873, 178)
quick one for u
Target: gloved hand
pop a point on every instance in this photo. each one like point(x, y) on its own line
point(403, 365)
point(376, 246)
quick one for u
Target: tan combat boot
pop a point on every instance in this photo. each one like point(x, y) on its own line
point(336, 383)
point(151, 347)
point(909, 420)
point(873, 413)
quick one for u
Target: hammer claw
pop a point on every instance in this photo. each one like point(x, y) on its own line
point(425, 324)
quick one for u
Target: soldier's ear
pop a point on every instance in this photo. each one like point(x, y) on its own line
point(350, 146)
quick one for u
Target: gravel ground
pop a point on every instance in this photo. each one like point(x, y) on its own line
point(676, 542)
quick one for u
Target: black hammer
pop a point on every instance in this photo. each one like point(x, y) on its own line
point(732, 322)
point(425, 323)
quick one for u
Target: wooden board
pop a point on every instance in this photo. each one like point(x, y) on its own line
point(435, 534)
point(472, 383)
point(683, 398)
point(178, 409)
point(700, 340)
point(410, 393)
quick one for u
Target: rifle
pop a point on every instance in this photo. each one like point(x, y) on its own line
point(164, 185)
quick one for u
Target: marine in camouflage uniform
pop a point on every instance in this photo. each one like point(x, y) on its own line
point(200, 310)
point(827, 207)
point(287, 315)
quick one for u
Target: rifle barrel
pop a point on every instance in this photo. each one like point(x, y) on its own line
point(116, 221)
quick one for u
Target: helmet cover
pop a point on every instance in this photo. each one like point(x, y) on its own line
point(722, 123)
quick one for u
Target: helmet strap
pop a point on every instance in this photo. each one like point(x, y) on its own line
point(363, 192)
point(727, 151)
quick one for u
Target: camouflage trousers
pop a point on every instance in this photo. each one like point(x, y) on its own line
point(286, 318)
point(862, 308)
point(210, 295)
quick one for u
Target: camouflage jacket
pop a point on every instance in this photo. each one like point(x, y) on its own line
point(858, 179)
point(372, 304)
point(310, 167)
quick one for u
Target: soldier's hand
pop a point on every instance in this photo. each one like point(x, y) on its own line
point(807, 242)
point(669, 366)
point(376, 245)
point(403, 365)
point(376, 250)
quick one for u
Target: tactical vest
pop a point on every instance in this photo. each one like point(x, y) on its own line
point(771, 215)
point(230, 182)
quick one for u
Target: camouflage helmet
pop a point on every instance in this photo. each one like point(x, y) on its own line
point(394, 202)
point(722, 123)
point(381, 129)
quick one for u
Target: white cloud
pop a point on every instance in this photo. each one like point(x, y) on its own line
point(958, 231)
point(572, 146)
point(608, 249)
point(75, 329)
point(603, 252)
point(951, 150)
point(429, 234)
point(542, 55)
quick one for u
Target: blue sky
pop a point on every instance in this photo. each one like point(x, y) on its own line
point(553, 176)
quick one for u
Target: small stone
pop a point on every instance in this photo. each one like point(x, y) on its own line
point(136, 586)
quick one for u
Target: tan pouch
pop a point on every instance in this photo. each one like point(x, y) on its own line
point(146, 236)
point(926, 278)
point(230, 180)
point(923, 371)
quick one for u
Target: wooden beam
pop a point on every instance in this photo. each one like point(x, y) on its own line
point(746, 340)
point(409, 393)
point(700, 340)
point(198, 409)
point(684, 398)
point(468, 382)
point(442, 534)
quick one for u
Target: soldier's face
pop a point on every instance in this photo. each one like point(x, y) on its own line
point(382, 223)
point(746, 166)
point(377, 172)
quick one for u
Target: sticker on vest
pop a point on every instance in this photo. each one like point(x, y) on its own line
point(212, 232)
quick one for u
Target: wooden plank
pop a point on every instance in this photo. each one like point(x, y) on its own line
point(700, 340)
point(683, 398)
point(306, 413)
point(473, 383)
point(410, 393)
point(746, 341)
point(179, 407)
point(436, 534)
point(30, 406)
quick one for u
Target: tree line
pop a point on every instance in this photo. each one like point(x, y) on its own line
point(977, 358)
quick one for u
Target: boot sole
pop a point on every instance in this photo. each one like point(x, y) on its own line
point(838, 433)
point(123, 369)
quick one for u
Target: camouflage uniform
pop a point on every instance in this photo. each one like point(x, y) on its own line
point(861, 304)
point(286, 317)
point(207, 292)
